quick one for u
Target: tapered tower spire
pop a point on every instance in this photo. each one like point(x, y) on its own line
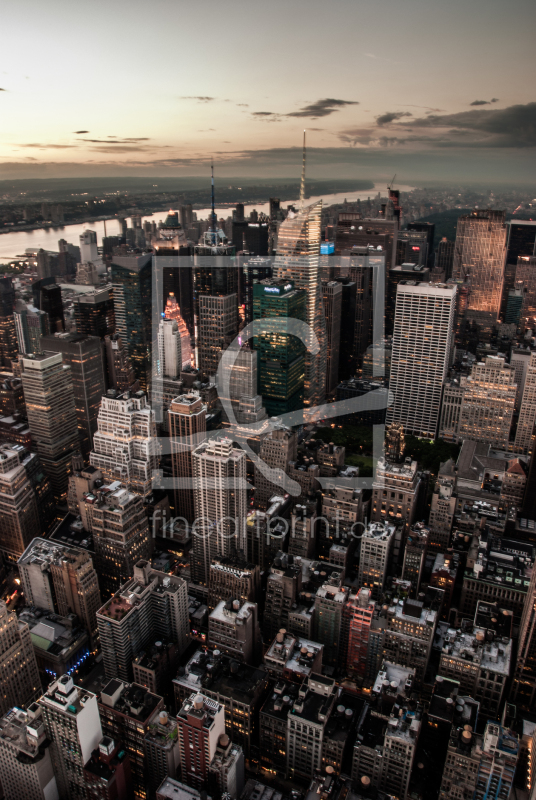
point(213, 220)
point(302, 183)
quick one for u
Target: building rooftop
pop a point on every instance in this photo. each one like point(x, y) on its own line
point(221, 674)
point(394, 679)
point(129, 699)
point(179, 791)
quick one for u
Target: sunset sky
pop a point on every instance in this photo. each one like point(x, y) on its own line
point(430, 88)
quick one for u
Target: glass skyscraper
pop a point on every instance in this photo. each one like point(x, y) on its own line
point(281, 362)
point(131, 279)
point(298, 260)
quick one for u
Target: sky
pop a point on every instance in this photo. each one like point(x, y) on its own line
point(426, 88)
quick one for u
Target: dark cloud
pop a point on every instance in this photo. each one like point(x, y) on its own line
point(322, 108)
point(201, 98)
point(129, 140)
point(484, 102)
point(391, 116)
point(264, 114)
point(3, 90)
point(77, 132)
point(355, 136)
point(243, 105)
point(49, 146)
point(514, 126)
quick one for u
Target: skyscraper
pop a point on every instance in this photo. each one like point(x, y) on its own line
point(219, 471)
point(422, 347)
point(30, 325)
point(119, 369)
point(61, 579)
point(200, 723)
point(488, 403)
point(524, 442)
point(173, 266)
point(524, 685)
point(94, 313)
point(217, 328)
point(332, 296)
point(47, 298)
point(132, 287)
point(8, 338)
point(71, 718)
point(298, 261)
point(19, 678)
point(48, 392)
point(26, 768)
point(19, 519)
point(282, 356)
point(479, 254)
point(278, 448)
point(187, 428)
point(121, 536)
point(83, 354)
point(150, 604)
point(173, 342)
point(125, 444)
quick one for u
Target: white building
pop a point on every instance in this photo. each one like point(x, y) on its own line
point(72, 723)
point(376, 547)
point(527, 413)
point(421, 354)
point(125, 447)
point(220, 494)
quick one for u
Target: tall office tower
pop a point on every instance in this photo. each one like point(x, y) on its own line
point(526, 274)
point(251, 271)
point(173, 347)
point(278, 449)
point(8, 337)
point(282, 356)
point(414, 556)
point(187, 429)
point(354, 231)
point(395, 492)
point(410, 631)
point(298, 261)
point(151, 603)
point(397, 274)
point(422, 347)
point(200, 723)
point(520, 360)
point(233, 577)
point(19, 677)
point(173, 267)
point(42, 488)
point(328, 614)
point(233, 629)
point(132, 288)
point(306, 724)
point(332, 296)
point(121, 534)
point(47, 298)
point(443, 506)
point(523, 692)
point(26, 768)
point(125, 447)
point(161, 745)
point(226, 771)
point(444, 259)
point(30, 325)
point(126, 711)
point(488, 403)
point(355, 629)
point(119, 369)
point(94, 313)
point(220, 495)
point(479, 254)
point(83, 354)
point(377, 544)
point(251, 237)
point(19, 519)
point(71, 719)
point(302, 530)
point(527, 414)
point(429, 229)
point(412, 248)
point(217, 328)
point(49, 396)
point(88, 246)
point(61, 579)
point(521, 241)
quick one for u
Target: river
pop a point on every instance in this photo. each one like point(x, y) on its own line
point(16, 243)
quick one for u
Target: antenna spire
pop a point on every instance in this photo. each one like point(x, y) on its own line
point(213, 212)
point(302, 183)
